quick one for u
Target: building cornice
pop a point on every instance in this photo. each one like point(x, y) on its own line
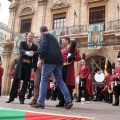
point(59, 5)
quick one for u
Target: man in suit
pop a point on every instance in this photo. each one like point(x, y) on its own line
point(51, 56)
point(1, 74)
point(23, 68)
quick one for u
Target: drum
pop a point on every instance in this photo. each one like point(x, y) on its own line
point(99, 77)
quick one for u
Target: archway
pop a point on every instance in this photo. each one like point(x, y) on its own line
point(97, 63)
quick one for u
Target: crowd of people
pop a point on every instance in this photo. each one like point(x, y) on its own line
point(39, 66)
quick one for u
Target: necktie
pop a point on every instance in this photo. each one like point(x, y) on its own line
point(29, 45)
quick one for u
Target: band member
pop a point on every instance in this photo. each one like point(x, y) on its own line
point(1, 74)
point(105, 90)
point(111, 82)
point(70, 54)
point(23, 69)
point(89, 86)
point(116, 75)
point(12, 76)
point(83, 74)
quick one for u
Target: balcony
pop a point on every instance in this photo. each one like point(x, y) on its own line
point(111, 26)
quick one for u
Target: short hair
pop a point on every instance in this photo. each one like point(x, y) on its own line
point(43, 29)
point(30, 33)
point(67, 38)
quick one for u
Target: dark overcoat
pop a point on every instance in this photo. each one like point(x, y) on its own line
point(23, 48)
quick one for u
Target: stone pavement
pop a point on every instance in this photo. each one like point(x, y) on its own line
point(98, 110)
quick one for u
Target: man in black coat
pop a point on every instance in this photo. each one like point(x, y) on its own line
point(23, 69)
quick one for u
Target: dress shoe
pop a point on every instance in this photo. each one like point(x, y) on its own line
point(115, 104)
point(59, 105)
point(68, 105)
point(38, 106)
point(21, 102)
point(10, 100)
point(33, 102)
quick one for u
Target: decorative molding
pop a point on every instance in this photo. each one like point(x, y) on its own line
point(117, 48)
point(13, 7)
point(42, 2)
point(27, 10)
point(59, 4)
point(93, 1)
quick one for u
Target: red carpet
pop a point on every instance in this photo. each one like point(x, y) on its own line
point(10, 114)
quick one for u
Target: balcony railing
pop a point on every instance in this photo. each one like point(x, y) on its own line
point(81, 29)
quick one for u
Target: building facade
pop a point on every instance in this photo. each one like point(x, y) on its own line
point(72, 18)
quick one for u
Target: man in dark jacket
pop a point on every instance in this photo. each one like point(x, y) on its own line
point(23, 69)
point(51, 56)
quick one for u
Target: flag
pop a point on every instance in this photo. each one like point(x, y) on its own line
point(95, 36)
point(106, 63)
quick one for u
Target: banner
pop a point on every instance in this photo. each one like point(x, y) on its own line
point(56, 34)
point(17, 40)
point(95, 36)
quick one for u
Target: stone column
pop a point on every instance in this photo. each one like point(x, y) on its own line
point(7, 47)
point(12, 16)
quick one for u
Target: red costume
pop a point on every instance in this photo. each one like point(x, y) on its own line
point(84, 72)
point(12, 75)
point(89, 85)
point(107, 83)
point(32, 76)
point(70, 80)
point(1, 74)
point(115, 73)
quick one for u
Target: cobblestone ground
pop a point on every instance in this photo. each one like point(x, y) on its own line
point(98, 110)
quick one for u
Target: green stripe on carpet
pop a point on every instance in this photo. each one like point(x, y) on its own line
point(7, 114)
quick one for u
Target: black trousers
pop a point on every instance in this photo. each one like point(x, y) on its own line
point(117, 93)
point(55, 94)
point(110, 97)
point(64, 76)
point(82, 87)
point(25, 76)
point(106, 96)
point(30, 88)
